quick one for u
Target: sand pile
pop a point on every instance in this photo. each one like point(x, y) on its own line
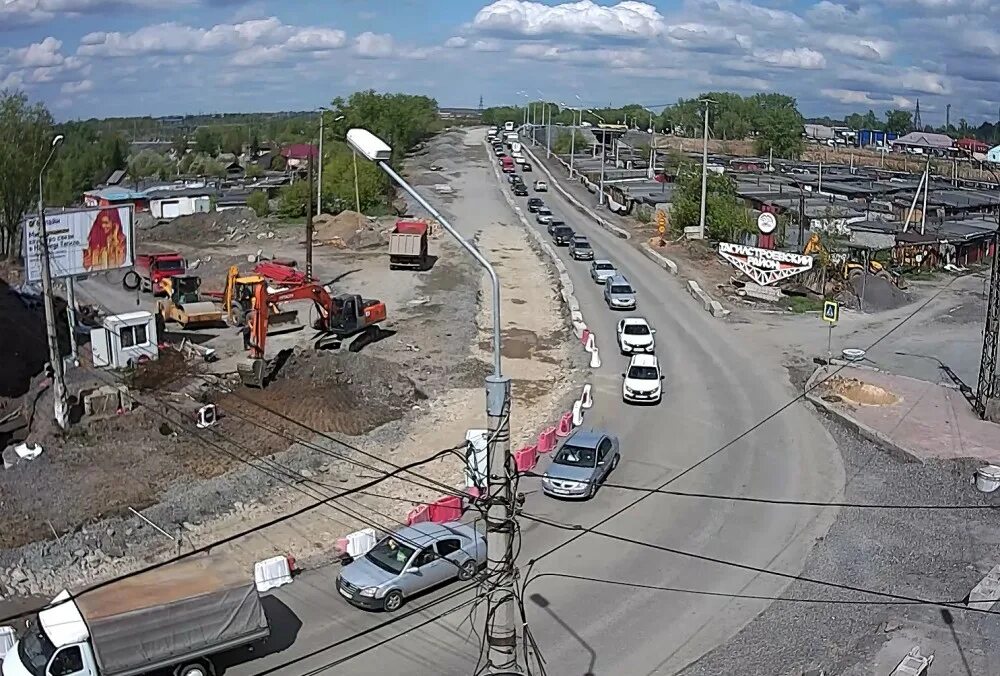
point(859, 392)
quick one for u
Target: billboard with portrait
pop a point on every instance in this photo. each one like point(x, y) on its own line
point(81, 242)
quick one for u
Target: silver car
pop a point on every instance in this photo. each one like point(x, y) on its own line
point(602, 270)
point(583, 462)
point(619, 294)
point(543, 215)
point(411, 560)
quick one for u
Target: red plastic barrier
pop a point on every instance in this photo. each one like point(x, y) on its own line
point(547, 440)
point(342, 545)
point(565, 425)
point(526, 458)
point(418, 514)
point(445, 509)
point(584, 336)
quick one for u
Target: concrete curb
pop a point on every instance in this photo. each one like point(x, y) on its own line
point(613, 229)
point(873, 435)
point(659, 259)
point(566, 289)
point(711, 306)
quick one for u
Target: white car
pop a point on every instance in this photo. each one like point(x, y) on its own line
point(642, 382)
point(635, 335)
point(541, 186)
point(543, 215)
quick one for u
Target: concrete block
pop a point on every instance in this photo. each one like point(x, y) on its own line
point(710, 305)
point(715, 307)
point(659, 259)
point(983, 596)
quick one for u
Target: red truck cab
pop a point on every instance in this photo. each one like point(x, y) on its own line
point(155, 267)
point(507, 164)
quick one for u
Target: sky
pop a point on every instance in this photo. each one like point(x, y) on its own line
point(105, 58)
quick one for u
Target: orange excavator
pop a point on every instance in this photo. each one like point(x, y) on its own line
point(339, 317)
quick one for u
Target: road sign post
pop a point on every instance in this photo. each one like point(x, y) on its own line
point(831, 314)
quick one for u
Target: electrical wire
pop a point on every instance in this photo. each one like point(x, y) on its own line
point(777, 501)
point(749, 597)
point(757, 569)
point(732, 442)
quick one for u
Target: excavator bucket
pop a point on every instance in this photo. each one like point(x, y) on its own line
point(251, 372)
point(285, 321)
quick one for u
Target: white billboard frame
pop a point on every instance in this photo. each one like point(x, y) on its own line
point(76, 247)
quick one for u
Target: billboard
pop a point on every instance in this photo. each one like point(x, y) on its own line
point(81, 242)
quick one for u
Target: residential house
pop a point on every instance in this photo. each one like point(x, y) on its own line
point(114, 196)
point(298, 154)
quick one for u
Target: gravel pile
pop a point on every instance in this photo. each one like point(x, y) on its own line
point(928, 554)
point(879, 294)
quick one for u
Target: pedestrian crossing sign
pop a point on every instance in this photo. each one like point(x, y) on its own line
point(831, 311)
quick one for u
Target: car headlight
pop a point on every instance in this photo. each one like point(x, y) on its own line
point(368, 591)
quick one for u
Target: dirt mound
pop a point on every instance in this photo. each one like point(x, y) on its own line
point(333, 392)
point(860, 392)
point(214, 226)
point(348, 229)
point(23, 347)
point(879, 294)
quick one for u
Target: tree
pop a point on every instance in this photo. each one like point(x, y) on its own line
point(148, 163)
point(232, 141)
point(898, 121)
point(254, 171)
point(25, 143)
point(855, 121)
point(778, 124)
point(565, 142)
point(118, 160)
point(179, 145)
point(278, 163)
point(207, 141)
point(338, 183)
point(254, 144)
point(293, 198)
point(259, 203)
point(401, 120)
point(870, 120)
point(726, 219)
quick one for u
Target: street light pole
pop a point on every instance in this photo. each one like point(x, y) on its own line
point(501, 632)
point(704, 174)
point(319, 169)
point(61, 410)
point(604, 153)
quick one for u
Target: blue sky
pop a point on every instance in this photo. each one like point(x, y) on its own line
point(88, 58)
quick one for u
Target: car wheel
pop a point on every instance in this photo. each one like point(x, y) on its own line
point(593, 491)
point(614, 463)
point(393, 601)
point(467, 570)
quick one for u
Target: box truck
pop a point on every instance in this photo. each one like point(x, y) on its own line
point(176, 617)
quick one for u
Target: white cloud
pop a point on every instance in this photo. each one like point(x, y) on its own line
point(374, 45)
point(77, 87)
point(16, 13)
point(870, 49)
point(746, 13)
point(628, 19)
point(801, 58)
point(39, 54)
point(456, 42)
point(487, 46)
point(706, 37)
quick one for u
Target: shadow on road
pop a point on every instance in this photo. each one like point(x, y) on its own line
point(285, 627)
point(543, 602)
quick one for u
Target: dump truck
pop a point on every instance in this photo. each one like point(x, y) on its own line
point(177, 617)
point(408, 245)
point(185, 305)
point(151, 269)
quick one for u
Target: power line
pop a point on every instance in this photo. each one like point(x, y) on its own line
point(750, 597)
point(758, 569)
point(729, 444)
point(777, 501)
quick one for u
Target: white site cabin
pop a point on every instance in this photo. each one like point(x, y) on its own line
point(124, 340)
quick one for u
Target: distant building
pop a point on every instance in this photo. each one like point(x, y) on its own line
point(297, 154)
point(924, 141)
point(116, 197)
point(972, 145)
point(993, 155)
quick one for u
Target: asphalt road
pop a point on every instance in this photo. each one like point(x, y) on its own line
point(718, 387)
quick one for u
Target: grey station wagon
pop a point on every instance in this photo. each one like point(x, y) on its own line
point(583, 462)
point(619, 294)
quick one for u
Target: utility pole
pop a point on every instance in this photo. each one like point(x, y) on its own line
point(572, 144)
point(704, 173)
point(501, 636)
point(71, 319)
point(548, 132)
point(947, 119)
point(61, 410)
point(309, 221)
point(652, 148)
point(604, 155)
point(319, 169)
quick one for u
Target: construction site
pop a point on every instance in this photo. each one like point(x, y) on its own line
point(269, 383)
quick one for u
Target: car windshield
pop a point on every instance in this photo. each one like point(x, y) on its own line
point(636, 330)
point(576, 456)
point(544, 210)
point(35, 650)
point(170, 265)
point(642, 373)
point(623, 289)
point(581, 245)
point(604, 266)
point(390, 555)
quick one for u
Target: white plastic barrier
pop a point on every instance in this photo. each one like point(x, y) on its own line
point(595, 359)
point(8, 636)
point(577, 414)
point(271, 573)
point(586, 397)
point(361, 541)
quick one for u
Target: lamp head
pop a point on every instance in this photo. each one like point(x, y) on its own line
point(369, 145)
point(57, 140)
